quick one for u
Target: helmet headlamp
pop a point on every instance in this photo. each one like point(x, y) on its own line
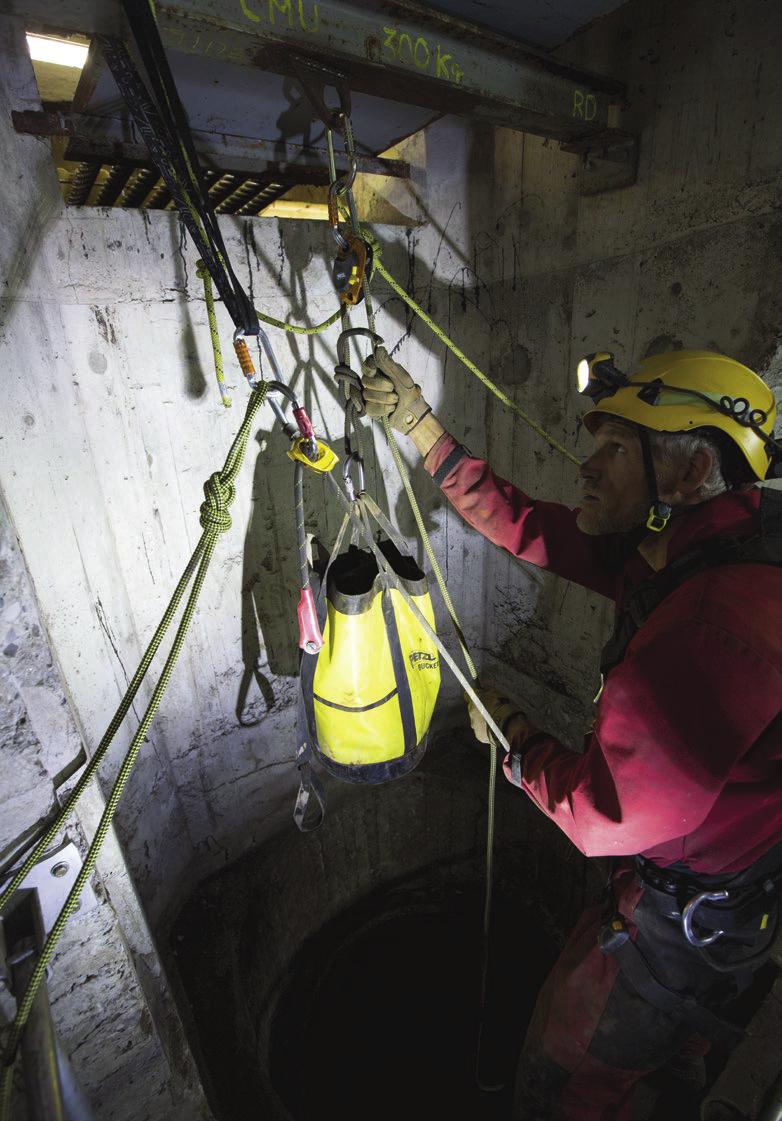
point(598, 377)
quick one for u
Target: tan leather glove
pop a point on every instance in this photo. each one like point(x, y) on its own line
point(389, 391)
point(506, 715)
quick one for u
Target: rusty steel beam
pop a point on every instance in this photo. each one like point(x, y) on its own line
point(115, 183)
point(139, 186)
point(267, 194)
point(398, 49)
point(82, 182)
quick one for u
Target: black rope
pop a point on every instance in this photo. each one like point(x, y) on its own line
point(161, 119)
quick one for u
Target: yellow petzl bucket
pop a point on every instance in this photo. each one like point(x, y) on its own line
point(370, 692)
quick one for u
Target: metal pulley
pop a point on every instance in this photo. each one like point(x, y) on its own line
point(354, 255)
point(351, 265)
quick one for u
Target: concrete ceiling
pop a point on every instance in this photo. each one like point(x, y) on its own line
point(541, 23)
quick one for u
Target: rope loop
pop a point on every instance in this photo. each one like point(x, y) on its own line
point(219, 495)
point(351, 384)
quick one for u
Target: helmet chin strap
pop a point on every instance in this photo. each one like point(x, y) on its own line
point(659, 511)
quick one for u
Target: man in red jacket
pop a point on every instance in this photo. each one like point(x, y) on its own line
point(680, 778)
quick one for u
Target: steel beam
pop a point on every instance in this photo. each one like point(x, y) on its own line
point(396, 49)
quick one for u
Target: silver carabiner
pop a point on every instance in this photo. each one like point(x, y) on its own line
point(350, 489)
point(688, 917)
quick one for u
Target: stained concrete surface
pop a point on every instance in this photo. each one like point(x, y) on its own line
point(105, 972)
point(111, 422)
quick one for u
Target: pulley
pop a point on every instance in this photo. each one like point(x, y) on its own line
point(352, 264)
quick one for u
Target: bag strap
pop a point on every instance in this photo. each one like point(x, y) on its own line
point(391, 533)
point(365, 506)
point(309, 783)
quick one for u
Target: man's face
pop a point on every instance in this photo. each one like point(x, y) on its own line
point(615, 493)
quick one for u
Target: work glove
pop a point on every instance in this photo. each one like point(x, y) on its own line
point(506, 715)
point(389, 391)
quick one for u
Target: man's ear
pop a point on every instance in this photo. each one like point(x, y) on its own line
point(696, 471)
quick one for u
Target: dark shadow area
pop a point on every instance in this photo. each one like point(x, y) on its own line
point(196, 382)
point(337, 974)
point(383, 1002)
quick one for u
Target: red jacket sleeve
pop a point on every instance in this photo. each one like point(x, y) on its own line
point(675, 717)
point(543, 533)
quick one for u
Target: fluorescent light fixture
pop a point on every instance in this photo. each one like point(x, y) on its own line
point(62, 52)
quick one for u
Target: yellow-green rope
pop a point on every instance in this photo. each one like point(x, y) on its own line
point(495, 389)
point(379, 267)
point(219, 491)
point(296, 330)
point(202, 272)
point(427, 544)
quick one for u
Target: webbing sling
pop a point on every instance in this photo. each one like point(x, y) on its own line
point(163, 124)
point(765, 547)
point(145, 30)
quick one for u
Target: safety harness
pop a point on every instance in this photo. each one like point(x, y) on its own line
point(640, 601)
point(742, 907)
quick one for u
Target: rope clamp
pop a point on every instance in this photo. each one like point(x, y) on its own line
point(307, 430)
point(325, 459)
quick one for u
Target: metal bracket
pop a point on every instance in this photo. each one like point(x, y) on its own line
point(609, 160)
point(314, 79)
point(53, 877)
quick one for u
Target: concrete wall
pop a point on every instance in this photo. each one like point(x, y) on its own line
point(111, 422)
point(110, 999)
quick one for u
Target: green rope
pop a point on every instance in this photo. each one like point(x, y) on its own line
point(294, 329)
point(495, 389)
point(215, 519)
point(427, 544)
point(202, 272)
point(493, 748)
point(378, 266)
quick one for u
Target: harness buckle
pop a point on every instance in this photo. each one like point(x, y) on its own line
point(659, 516)
point(613, 934)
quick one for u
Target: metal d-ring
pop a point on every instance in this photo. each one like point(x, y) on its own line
point(688, 917)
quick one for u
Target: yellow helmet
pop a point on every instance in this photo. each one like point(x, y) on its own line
point(685, 390)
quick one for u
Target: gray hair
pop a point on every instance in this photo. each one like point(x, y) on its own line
point(673, 448)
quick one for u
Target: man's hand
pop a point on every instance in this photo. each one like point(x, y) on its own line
point(389, 391)
point(506, 715)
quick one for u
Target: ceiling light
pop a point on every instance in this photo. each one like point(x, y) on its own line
point(62, 52)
